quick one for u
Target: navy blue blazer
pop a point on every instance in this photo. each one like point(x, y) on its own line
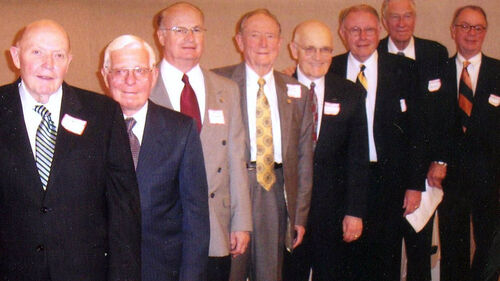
point(174, 201)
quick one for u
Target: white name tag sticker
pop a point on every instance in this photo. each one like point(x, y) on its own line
point(216, 116)
point(494, 100)
point(434, 85)
point(402, 102)
point(293, 91)
point(331, 108)
point(73, 124)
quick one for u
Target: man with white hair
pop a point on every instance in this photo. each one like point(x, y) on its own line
point(167, 153)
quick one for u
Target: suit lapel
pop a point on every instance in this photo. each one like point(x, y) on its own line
point(151, 140)
point(239, 76)
point(159, 94)
point(285, 111)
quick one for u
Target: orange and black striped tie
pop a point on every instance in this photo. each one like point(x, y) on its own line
point(465, 96)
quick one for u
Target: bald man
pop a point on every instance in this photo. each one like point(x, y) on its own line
point(69, 196)
point(340, 159)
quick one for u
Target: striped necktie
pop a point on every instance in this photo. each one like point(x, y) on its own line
point(361, 79)
point(465, 96)
point(314, 109)
point(45, 144)
point(264, 139)
point(135, 146)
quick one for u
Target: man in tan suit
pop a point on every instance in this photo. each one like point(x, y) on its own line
point(213, 101)
point(279, 207)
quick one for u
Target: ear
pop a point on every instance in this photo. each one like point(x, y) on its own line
point(452, 32)
point(384, 23)
point(239, 41)
point(161, 37)
point(155, 74)
point(293, 50)
point(104, 77)
point(15, 52)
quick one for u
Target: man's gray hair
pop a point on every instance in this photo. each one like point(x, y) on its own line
point(128, 42)
point(385, 4)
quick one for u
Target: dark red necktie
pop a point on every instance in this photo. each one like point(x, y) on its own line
point(314, 109)
point(189, 103)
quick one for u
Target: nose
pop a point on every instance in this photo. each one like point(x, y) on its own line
point(49, 61)
point(263, 41)
point(130, 77)
point(317, 54)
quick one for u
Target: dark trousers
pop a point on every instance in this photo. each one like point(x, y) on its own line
point(297, 265)
point(418, 251)
point(219, 268)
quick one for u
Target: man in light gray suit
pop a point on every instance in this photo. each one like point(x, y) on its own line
point(279, 206)
point(213, 101)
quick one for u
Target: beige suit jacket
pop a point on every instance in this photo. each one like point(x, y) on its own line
point(296, 142)
point(224, 155)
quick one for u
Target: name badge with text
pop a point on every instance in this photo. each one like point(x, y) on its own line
point(216, 116)
point(73, 124)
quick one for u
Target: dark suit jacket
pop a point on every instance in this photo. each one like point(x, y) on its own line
point(86, 226)
point(174, 204)
point(340, 159)
point(430, 61)
point(477, 150)
point(296, 142)
point(396, 133)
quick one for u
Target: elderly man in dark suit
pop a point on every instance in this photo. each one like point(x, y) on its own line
point(213, 101)
point(69, 197)
point(340, 160)
point(471, 118)
point(396, 173)
point(277, 113)
point(169, 164)
point(399, 17)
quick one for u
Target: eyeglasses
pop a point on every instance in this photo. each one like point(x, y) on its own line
point(356, 31)
point(181, 30)
point(467, 27)
point(140, 73)
point(311, 50)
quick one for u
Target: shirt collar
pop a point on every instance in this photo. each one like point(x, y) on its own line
point(475, 60)
point(53, 105)
point(370, 63)
point(304, 80)
point(409, 51)
point(253, 76)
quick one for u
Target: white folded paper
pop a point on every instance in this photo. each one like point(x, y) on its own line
point(431, 198)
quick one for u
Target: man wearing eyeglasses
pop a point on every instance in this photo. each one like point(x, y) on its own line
point(471, 118)
point(278, 115)
point(214, 102)
point(399, 18)
point(396, 174)
point(340, 160)
point(167, 153)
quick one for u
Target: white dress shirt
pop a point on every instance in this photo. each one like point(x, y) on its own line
point(172, 79)
point(371, 73)
point(319, 91)
point(252, 79)
point(140, 119)
point(31, 118)
point(473, 69)
point(409, 51)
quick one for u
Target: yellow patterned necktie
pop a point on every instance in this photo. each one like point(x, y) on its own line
point(264, 138)
point(361, 77)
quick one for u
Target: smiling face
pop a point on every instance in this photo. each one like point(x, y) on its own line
point(260, 42)
point(315, 36)
point(181, 50)
point(469, 42)
point(43, 57)
point(130, 89)
point(360, 31)
point(399, 20)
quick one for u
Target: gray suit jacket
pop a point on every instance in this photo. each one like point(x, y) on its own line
point(223, 149)
point(296, 142)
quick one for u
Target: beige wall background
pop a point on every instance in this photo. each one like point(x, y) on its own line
point(92, 24)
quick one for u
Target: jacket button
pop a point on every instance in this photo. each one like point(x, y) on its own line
point(39, 248)
point(224, 142)
point(44, 210)
point(218, 170)
point(212, 195)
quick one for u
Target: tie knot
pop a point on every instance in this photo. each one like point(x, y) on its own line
point(466, 64)
point(362, 68)
point(185, 79)
point(130, 123)
point(43, 111)
point(312, 86)
point(400, 53)
point(261, 83)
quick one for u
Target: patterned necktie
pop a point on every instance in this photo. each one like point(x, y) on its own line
point(189, 103)
point(45, 144)
point(465, 96)
point(264, 139)
point(361, 79)
point(314, 109)
point(135, 146)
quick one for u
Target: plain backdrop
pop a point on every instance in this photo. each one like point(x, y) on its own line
point(92, 24)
